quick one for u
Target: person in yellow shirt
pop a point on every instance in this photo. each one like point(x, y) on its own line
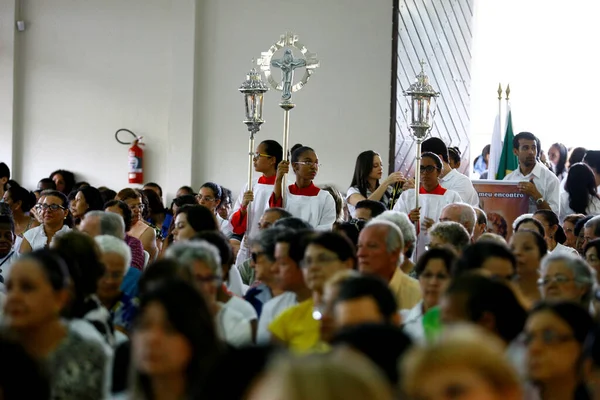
point(325, 254)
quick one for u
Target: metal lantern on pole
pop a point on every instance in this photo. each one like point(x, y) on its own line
point(422, 110)
point(253, 89)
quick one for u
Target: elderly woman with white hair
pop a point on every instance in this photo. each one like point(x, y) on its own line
point(116, 257)
point(567, 277)
point(451, 234)
point(204, 262)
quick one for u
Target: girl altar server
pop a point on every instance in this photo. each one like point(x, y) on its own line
point(432, 199)
point(255, 200)
point(302, 198)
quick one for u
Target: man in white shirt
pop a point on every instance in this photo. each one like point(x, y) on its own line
point(450, 178)
point(536, 181)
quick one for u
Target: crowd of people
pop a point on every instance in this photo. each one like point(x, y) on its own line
point(301, 292)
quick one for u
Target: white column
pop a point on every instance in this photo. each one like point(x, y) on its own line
point(7, 72)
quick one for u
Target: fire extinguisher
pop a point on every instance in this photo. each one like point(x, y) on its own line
point(135, 157)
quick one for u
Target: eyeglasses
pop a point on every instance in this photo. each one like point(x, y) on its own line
point(51, 207)
point(257, 155)
point(137, 207)
point(309, 164)
point(547, 336)
point(560, 279)
point(429, 169)
point(205, 198)
point(319, 260)
point(568, 230)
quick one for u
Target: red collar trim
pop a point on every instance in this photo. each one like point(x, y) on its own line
point(438, 190)
point(311, 190)
point(267, 180)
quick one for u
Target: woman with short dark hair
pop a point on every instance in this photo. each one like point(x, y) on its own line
point(55, 216)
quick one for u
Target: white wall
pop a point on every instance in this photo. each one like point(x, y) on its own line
point(86, 69)
point(342, 111)
point(546, 50)
point(170, 69)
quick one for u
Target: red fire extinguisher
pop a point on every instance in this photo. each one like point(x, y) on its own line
point(135, 157)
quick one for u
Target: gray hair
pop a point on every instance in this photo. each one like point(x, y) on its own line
point(111, 244)
point(467, 216)
point(197, 250)
point(409, 233)
point(110, 223)
point(594, 223)
point(267, 239)
point(452, 233)
point(583, 274)
point(394, 240)
point(401, 220)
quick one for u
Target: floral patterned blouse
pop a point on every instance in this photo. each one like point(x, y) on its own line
point(77, 369)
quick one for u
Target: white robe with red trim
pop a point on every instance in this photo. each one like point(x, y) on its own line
point(431, 205)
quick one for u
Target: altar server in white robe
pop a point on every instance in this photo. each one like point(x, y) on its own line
point(252, 202)
point(303, 199)
point(432, 199)
point(451, 179)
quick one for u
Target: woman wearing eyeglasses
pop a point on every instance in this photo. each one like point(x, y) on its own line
point(432, 198)
point(209, 196)
point(54, 212)
point(433, 271)
point(255, 200)
point(139, 228)
point(303, 199)
point(554, 337)
point(567, 277)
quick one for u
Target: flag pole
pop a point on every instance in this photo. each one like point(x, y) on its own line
point(507, 95)
point(500, 104)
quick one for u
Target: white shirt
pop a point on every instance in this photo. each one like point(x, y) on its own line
point(354, 190)
point(243, 307)
point(224, 226)
point(233, 327)
point(319, 210)
point(562, 249)
point(412, 322)
point(462, 185)
point(37, 236)
point(593, 207)
point(235, 284)
point(546, 183)
point(271, 310)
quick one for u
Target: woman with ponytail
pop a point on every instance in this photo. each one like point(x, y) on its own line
point(303, 199)
point(255, 200)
